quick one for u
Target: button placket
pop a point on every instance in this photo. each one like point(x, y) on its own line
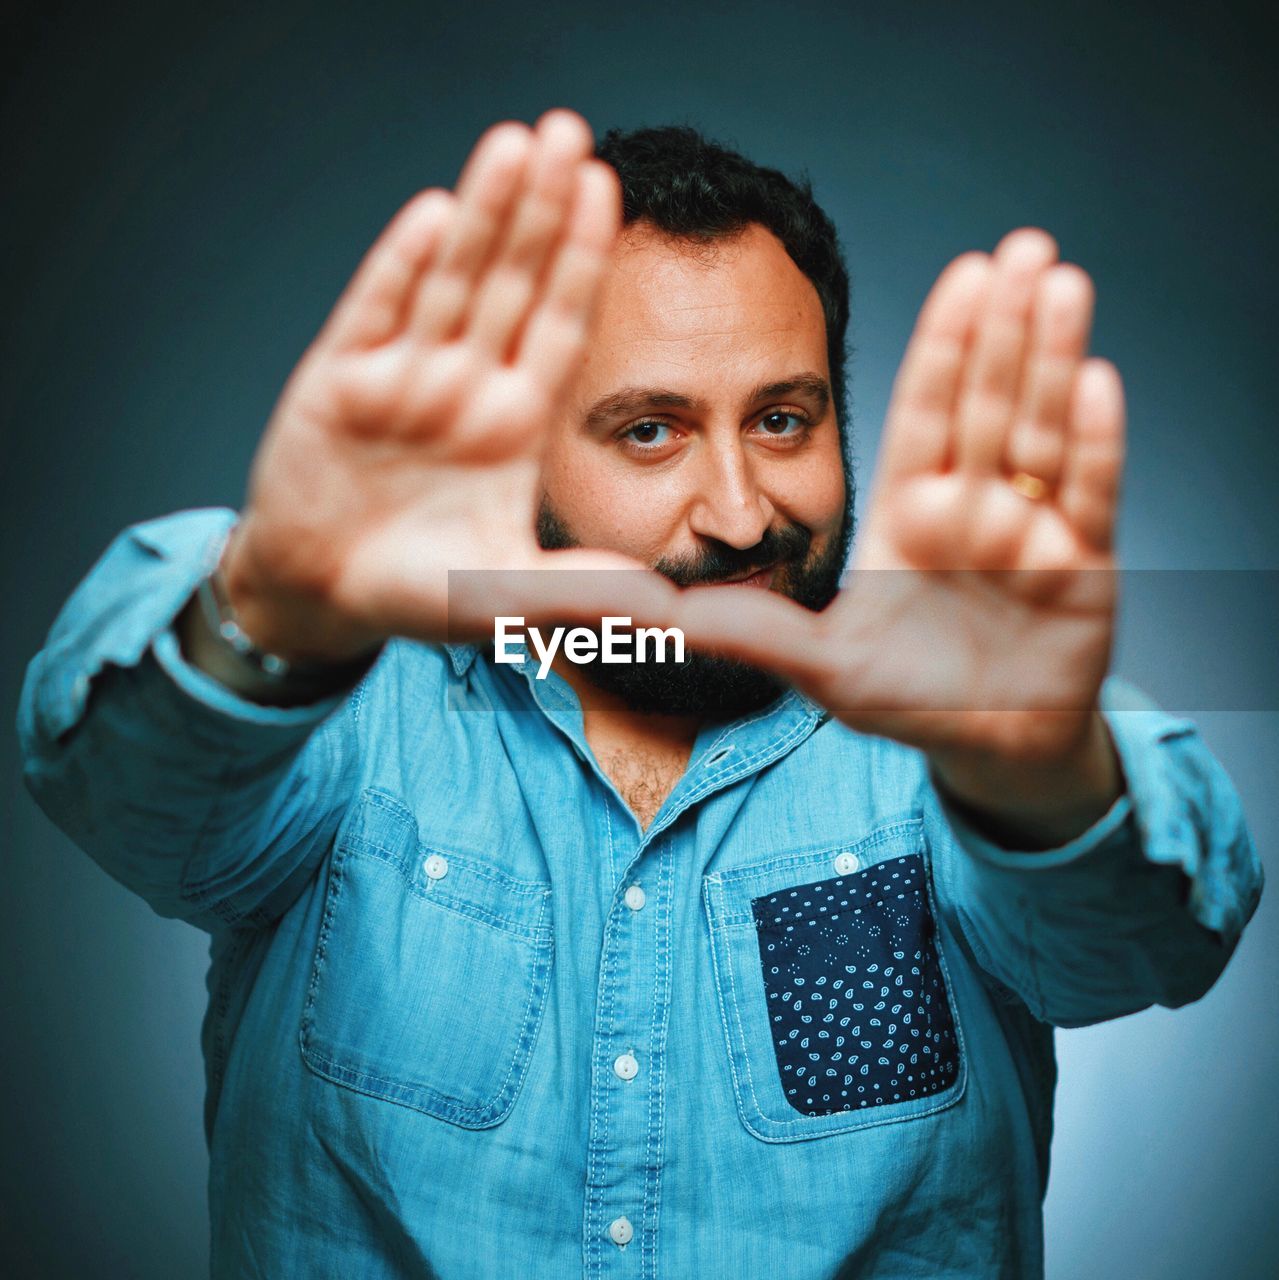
point(634, 1002)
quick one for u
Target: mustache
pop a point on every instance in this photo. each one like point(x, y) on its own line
point(720, 561)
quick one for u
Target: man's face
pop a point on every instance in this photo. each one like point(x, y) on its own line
point(701, 439)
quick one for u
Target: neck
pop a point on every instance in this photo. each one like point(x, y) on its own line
point(643, 755)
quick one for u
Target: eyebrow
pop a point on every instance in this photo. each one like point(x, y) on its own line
point(628, 400)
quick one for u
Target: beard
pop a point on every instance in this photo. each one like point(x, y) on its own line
point(708, 685)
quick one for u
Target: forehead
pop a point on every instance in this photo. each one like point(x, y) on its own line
point(676, 312)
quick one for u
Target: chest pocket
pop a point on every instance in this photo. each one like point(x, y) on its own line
point(430, 972)
point(833, 991)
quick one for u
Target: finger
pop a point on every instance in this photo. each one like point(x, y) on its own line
point(563, 141)
point(917, 430)
point(1094, 454)
point(760, 627)
point(988, 393)
point(584, 587)
point(1059, 338)
point(486, 192)
point(375, 304)
point(558, 587)
point(556, 331)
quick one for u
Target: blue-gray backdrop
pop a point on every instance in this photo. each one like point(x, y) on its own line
point(188, 191)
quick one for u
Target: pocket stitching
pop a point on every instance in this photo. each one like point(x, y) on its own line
point(524, 1054)
point(384, 800)
point(745, 1055)
point(799, 858)
point(451, 901)
point(447, 1108)
point(383, 1088)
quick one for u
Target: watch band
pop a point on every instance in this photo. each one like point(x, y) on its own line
point(269, 671)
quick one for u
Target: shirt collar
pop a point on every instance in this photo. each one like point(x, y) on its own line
point(461, 656)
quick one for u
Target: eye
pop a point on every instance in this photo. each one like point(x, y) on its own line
point(649, 436)
point(783, 425)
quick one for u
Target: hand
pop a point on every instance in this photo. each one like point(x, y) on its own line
point(406, 442)
point(977, 619)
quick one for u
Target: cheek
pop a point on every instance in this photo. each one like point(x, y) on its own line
point(608, 506)
point(815, 493)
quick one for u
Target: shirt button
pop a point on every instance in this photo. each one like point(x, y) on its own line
point(436, 867)
point(625, 1067)
point(620, 1230)
point(635, 898)
point(846, 864)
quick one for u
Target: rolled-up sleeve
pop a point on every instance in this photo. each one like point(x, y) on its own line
point(1145, 907)
point(212, 808)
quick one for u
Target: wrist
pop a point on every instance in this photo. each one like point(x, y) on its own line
point(208, 650)
point(215, 638)
point(295, 624)
point(1034, 805)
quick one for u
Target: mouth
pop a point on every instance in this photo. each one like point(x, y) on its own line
point(760, 578)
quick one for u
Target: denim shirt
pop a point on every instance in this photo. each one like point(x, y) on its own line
point(467, 1019)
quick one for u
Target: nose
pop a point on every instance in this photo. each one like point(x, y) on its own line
point(729, 504)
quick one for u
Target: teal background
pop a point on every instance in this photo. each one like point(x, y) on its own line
point(186, 196)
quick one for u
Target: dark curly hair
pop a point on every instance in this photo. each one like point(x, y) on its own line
point(694, 188)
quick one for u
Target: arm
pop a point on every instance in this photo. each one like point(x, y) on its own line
point(1144, 907)
point(212, 808)
point(202, 639)
point(402, 447)
point(1033, 804)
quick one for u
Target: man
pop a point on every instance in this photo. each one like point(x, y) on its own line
point(746, 967)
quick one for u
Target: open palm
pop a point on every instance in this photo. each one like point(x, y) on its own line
point(979, 610)
point(407, 442)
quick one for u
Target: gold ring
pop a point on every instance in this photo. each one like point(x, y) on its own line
point(1029, 486)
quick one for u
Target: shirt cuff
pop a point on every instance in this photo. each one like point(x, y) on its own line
point(1186, 809)
point(191, 559)
point(1136, 726)
point(201, 687)
point(981, 847)
point(124, 613)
